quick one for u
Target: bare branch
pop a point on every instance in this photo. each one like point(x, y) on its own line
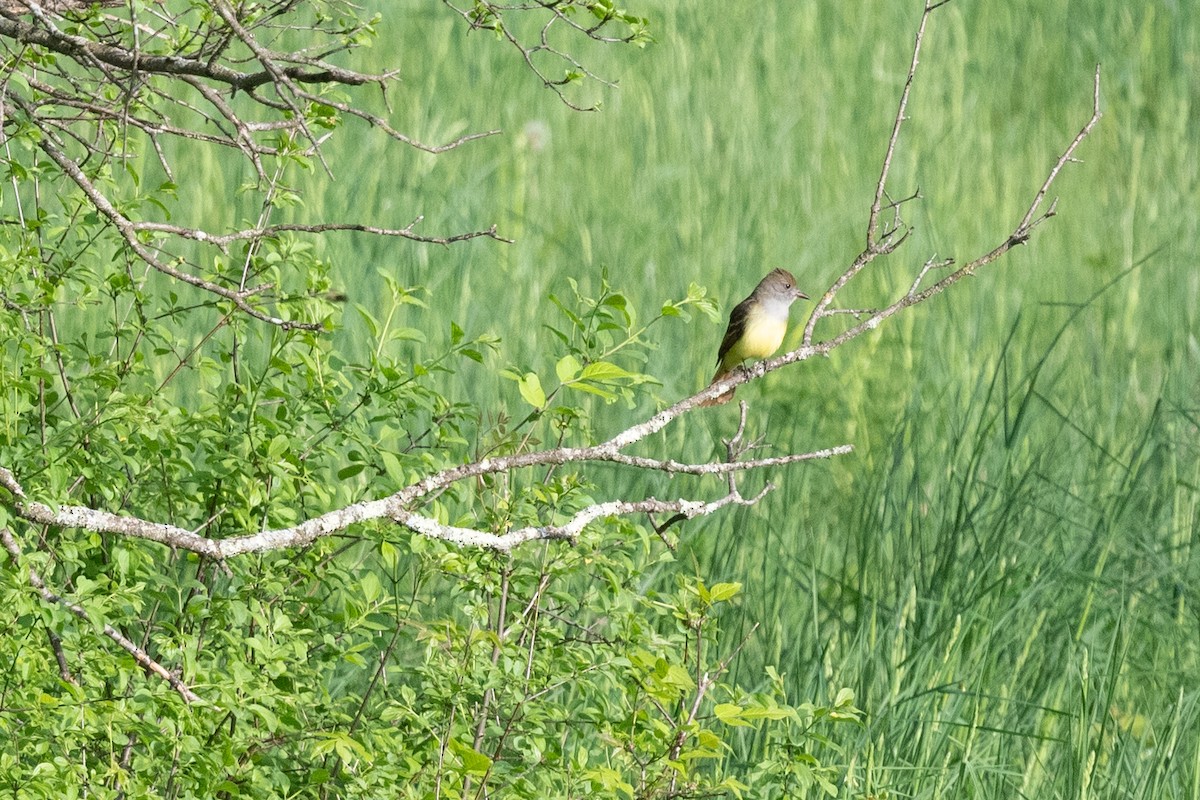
point(1028, 222)
point(223, 240)
point(876, 244)
point(125, 59)
point(873, 241)
point(64, 669)
point(279, 76)
point(571, 529)
point(703, 685)
point(875, 248)
point(1019, 235)
point(495, 17)
point(382, 124)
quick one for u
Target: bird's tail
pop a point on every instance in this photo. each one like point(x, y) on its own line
point(720, 399)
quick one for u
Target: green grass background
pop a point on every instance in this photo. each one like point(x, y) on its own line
point(1006, 569)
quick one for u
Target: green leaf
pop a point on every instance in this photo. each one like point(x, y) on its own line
point(562, 337)
point(392, 467)
point(567, 368)
point(473, 761)
point(608, 781)
point(767, 712)
point(389, 554)
point(729, 713)
point(678, 677)
point(531, 390)
point(616, 301)
point(699, 752)
point(368, 319)
point(605, 371)
point(350, 471)
point(843, 707)
point(721, 592)
point(347, 748)
point(571, 315)
point(408, 335)
point(279, 445)
point(371, 587)
point(593, 389)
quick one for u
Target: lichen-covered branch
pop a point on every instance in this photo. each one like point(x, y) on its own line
point(401, 506)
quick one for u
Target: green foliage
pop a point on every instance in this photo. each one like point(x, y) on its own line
point(377, 664)
point(405, 668)
point(598, 330)
point(1002, 578)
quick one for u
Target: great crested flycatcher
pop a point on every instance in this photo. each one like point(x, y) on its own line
point(756, 326)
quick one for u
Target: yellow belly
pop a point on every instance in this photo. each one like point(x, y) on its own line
point(762, 336)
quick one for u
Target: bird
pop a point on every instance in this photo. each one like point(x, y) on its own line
point(756, 326)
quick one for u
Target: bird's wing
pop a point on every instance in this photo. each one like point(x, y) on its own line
point(737, 327)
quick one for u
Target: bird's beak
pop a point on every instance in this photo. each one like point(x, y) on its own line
point(801, 295)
